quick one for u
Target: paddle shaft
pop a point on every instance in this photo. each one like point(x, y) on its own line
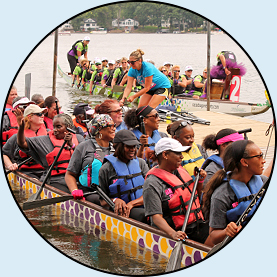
point(241, 219)
point(104, 196)
point(57, 107)
point(49, 201)
point(173, 260)
point(144, 132)
point(20, 164)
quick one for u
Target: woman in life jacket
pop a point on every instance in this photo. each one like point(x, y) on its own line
point(84, 165)
point(230, 190)
point(44, 149)
point(144, 123)
point(108, 74)
point(120, 73)
point(96, 76)
point(78, 72)
point(178, 82)
point(34, 126)
point(12, 95)
point(113, 109)
point(50, 104)
point(167, 192)
point(217, 142)
point(122, 176)
point(195, 155)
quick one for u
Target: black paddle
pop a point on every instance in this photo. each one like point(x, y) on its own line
point(37, 194)
point(49, 201)
point(174, 262)
point(103, 195)
point(57, 107)
point(241, 219)
point(142, 125)
point(20, 164)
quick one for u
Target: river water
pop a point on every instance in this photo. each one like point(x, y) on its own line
point(87, 244)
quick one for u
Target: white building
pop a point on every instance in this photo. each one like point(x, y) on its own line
point(89, 25)
point(127, 24)
point(66, 27)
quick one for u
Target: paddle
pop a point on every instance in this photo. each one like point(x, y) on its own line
point(103, 195)
point(49, 201)
point(57, 107)
point(241, 219)
point(142, 125)
point(37, 194)
point(244, 131)
point(175, 257)
point(20, 164)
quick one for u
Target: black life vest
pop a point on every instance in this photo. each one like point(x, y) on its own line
point(75, 50)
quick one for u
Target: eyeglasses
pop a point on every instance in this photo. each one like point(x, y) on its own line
point(123, 62)
point(110, 125)
point(182, 124)
point(156, 115)
point(98, 64)
point(176, 71)
point(116, 111)
point(39, 114)
point(164, 70)
point(256, 156)
point(132, 62)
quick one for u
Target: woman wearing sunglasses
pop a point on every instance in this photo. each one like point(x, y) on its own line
point(229, 191)
point(88, 156)
point(178, 82)
point(144, 123)
point(44, 149)
point(122, 177)
point(53, 108)
point(34, 126)
point(155, 84)
point(182, 131)
point(113, 109)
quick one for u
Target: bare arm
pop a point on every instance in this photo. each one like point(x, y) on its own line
point(21, 139)
point(70, 179)
point(8, 163)
point(127, 90)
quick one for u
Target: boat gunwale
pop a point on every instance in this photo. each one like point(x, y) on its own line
point(188, 242)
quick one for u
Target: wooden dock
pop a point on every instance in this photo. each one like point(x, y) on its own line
point(220, 121)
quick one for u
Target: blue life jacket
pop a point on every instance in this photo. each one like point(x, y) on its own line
point(244, 194)
point(213, 158)
point(129, 182)
point(151, 141)
point(89, 174)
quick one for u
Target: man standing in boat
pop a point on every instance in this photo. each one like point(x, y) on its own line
point(79, 48)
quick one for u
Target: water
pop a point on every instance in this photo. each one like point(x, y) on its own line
point(181, 49)
point(88, 244)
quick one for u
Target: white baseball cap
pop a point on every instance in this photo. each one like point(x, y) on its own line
point(22, 101)
point(165, 63)
point(87, 38)
point(169, 144)
point(32, 108)
point(188, 67)
point(111, 62)
point(97, 61)
point(104, 59)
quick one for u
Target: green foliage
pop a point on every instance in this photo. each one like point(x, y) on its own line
point(146, 13)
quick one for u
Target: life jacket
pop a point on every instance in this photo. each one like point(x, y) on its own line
point(110, 77)
point(77, 124)
point(8, 107)
point(230, 56)
point(178, 89)
point(13, 128)
point(245, 194)
point(63, 160)
point(213, 158)
point(151, 140)
point(179, 192)
point(88, 74)
point(48, 122)
point(120, 76)
point(98, 76)
point(191, 159)
point(74, 48)
point(32, 164)
point(129, 182)
point(193, 87)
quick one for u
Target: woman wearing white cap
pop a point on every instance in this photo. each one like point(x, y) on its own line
point(34, 126)
point(79, 48)
point(107, 77)
point(167, 191)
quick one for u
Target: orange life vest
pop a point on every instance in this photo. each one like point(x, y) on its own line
point(179, 192)
point(13, 129)
point(63, 160)
point(76, 124)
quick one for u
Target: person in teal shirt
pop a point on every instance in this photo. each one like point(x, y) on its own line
point(78, 49)
point(155, 84)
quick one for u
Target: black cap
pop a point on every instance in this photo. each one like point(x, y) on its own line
point(80, 110)
point(125, 136)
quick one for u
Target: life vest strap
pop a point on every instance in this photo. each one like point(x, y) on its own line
point(246, 198)
point(129, 191)
point(191, 160)
point(130, 176)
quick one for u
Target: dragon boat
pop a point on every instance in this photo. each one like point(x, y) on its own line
point(138, 233)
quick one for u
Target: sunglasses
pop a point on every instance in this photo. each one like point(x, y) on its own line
point(98, 64)
point(38, 114)
point(256, 156)
point(132, 62)
point(110, 125)
point(176, 70)
point(116, 111)
point(164, 70)
point(156, 115)
point(182, 124)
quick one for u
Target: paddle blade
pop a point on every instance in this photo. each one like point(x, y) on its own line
point(175, 259)
point(34, 197)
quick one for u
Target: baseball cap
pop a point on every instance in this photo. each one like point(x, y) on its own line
point(80, 110)
point(188, 67)
point(32, 108)
point(165, 63)
point(111, 62)
point(87, 38)
point(125, 136)
point(104, 59)
point(169, 144)
point(23, 100)
point(97, 61)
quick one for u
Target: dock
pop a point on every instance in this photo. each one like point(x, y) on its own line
point(220, 121)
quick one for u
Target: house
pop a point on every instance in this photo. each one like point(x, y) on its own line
point(66, 27)
point(89, 25)
point(126, 24)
